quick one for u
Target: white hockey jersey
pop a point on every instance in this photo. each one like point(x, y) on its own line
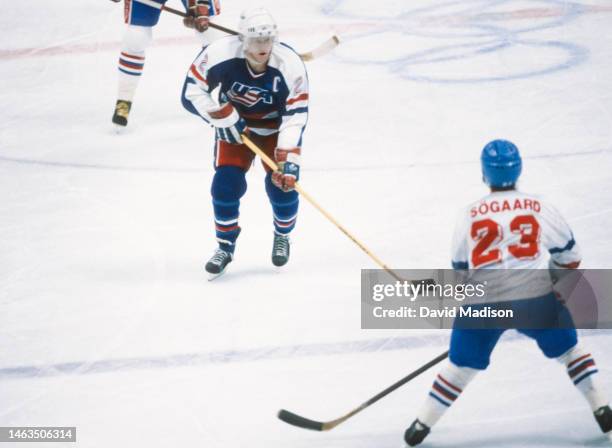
point(514, 230)
point(275, 101)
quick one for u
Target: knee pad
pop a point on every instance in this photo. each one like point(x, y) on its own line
point(555, 342)
point(473, 348)
point(229, 183)
point(136, 38)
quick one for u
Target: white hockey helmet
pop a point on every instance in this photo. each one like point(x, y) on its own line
point(257, 23)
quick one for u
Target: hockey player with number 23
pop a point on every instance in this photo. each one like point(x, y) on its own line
point(508, 229)
point(251, 84)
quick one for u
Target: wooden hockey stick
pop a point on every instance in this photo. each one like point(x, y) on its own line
point(321, 50)
point(317, 52)
point(176, 12)
point(306, 423)
point(272, 164)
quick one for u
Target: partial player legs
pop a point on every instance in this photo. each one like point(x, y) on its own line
point(470, 352)
point(228, 186)
point(562, 344)
point(473, 348)
point(284, 210)
point(284, 207)
point(583, 373)
point(136, 39)
point(446, 388)
point(131, 64)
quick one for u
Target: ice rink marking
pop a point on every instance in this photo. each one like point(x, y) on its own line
point(93, 166)
point(474, 20)
point(153, 169)
point(238, 356)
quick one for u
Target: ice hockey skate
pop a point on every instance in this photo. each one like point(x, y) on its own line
point(217, 263)
point(280, 250)
point(416, 433)
point(122, 112)
point(603, 416)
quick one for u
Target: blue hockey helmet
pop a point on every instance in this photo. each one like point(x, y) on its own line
point(501, 164)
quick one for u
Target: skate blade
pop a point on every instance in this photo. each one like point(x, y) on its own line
point(212, 277)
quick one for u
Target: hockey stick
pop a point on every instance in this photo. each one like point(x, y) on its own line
point(272, 164)
point(176, 12)
point(321, 50)
point(317, 52)
point(306, 423)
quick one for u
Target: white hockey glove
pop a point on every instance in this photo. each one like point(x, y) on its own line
point(228, 123)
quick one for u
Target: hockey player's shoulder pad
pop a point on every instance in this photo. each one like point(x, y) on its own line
point(287, 61)
point(220, 51)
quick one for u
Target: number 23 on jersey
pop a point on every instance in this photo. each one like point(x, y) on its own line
point(488, 235)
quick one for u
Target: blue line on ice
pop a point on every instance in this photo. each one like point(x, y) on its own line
point(370, 167)
point(234, 356)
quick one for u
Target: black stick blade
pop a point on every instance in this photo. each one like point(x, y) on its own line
point(296, 420)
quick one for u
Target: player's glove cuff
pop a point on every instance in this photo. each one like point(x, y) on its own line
point(228, 123)
point(198, 13)
point(288, 173)
point(559, 270)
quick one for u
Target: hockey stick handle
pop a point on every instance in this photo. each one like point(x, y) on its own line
point(176, 12)
point(302, 422)
point(321, 50)
point(404, 380)
point(274, 167)
point(387, 391)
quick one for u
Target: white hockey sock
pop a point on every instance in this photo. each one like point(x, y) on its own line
point(132, 59)
point(582, 371)
point(446, 388)
point(130, 69)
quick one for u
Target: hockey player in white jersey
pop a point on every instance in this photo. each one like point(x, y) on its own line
point(252, 84)
point(140, 19)
point(509, 229)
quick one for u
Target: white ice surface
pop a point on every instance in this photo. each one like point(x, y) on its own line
point(106, 320)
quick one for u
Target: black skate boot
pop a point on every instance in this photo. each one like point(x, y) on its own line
point(122, 111)
point(218, 262)
point(603, 415)
point(416, 433)
point(280, 250)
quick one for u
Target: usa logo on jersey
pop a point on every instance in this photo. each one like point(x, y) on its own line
point(248, 95)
